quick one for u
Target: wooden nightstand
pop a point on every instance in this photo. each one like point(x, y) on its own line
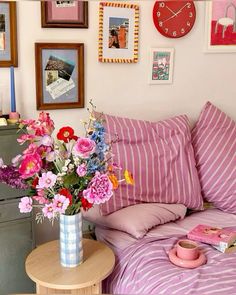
point(44, 268)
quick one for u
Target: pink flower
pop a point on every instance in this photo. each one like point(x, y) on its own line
point(60, 203)
point(30, 165)
point(81, 170)
point(99, 190)
point(32, 148)
point(84, 147)
point(46, 140)
point(47, 180)
point(48, 211)
point(40, 198)
point(25, 205)
point(25, 137)
point(16, 160)
point(51, 156)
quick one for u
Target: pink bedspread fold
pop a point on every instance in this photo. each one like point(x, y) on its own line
point(143, 266)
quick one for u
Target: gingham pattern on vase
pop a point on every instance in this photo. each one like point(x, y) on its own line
point(160, 156)
point(71, 250)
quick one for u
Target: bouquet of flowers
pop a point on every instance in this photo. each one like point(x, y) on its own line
point(66, 173)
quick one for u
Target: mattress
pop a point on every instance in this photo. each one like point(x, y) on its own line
point(143, 267)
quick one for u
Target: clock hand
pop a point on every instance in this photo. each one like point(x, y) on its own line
point(181, 9)
point(171, 10)
point(169, 18)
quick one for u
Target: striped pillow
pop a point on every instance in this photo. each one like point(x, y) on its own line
point(214, 143)
point(160, 156)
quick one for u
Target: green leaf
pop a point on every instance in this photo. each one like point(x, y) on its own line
point(70, 180)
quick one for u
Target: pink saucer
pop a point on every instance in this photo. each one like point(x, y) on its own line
point(187, 263)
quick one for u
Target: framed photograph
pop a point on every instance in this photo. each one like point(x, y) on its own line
point(64, 14)
point(8, 35)
point(118, 32)
point(221, 26)
point(59, 69)
point(161, 65)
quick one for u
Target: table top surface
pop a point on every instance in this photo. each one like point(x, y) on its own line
point(44, 268)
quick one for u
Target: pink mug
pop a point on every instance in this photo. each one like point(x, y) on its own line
point(187, 250)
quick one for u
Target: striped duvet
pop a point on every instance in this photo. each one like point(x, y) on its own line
point(144, 267)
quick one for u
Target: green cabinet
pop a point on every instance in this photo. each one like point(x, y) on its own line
point(16, 229)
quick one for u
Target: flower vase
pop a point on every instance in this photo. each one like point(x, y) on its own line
point(71, 250)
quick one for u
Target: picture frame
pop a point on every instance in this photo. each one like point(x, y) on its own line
point(118, 32)
point(8, 34)
point(59, 71)
point(161, 65)
point(220, 26)
point(64, 14)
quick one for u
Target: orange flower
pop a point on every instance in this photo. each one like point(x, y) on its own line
point(128, 177)
point(114, 181)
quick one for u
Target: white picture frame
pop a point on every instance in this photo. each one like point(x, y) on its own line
point(161, 65)
point(220, 24)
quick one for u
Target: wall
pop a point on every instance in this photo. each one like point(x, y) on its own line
point(123, 89)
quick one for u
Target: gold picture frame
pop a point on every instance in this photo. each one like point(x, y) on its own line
point(118, 32)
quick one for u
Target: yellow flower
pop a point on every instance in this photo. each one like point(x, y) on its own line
point(114, 181)
point(128, 177)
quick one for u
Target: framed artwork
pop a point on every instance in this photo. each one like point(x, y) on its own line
point(161, 65)
point(64, 14)
point(8, 35)
point(118, 32)
point(221, 26)
point(59, 69)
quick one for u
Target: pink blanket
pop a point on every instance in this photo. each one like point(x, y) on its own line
point(143, 266)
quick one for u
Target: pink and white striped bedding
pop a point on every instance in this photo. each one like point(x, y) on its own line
point(143, 266)
point(160, 156)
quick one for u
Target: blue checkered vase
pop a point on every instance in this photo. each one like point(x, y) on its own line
point(71, 251)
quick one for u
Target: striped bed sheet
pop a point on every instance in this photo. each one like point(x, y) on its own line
point(143, 266)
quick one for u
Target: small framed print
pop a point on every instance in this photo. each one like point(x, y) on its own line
point(161, 65)
point(64, 14)
point(8, 35)
point(59, 75)
point(118, 32)
point(221, 26)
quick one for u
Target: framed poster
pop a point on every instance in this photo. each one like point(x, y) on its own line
point(221, 26)
point(118, 32)
point(64, 14)
point(8, 35)
point(59, 75)
point(161, 65)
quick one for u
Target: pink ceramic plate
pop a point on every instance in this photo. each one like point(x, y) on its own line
point(187, 263)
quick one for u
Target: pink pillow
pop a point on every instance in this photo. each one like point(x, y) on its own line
point(214, 142)
point(160, 156)
point(136, 220)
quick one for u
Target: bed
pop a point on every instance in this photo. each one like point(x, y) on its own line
point(175, 169)
point(143, 266)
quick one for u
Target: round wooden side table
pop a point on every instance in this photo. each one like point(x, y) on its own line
point(44, 268)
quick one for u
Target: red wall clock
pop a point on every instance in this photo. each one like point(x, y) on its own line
point(174, 19)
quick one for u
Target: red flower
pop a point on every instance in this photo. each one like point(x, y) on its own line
point(35, 182)
point(85, 204)
point(66, 134)
point(65, 192)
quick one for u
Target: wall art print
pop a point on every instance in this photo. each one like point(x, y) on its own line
point(221, 26)
point(8, 35)
point(64, 14)
point(118, 32)
point(59, 75)
point(161, 65)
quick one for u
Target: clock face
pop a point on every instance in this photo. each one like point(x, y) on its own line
point(174, 19)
